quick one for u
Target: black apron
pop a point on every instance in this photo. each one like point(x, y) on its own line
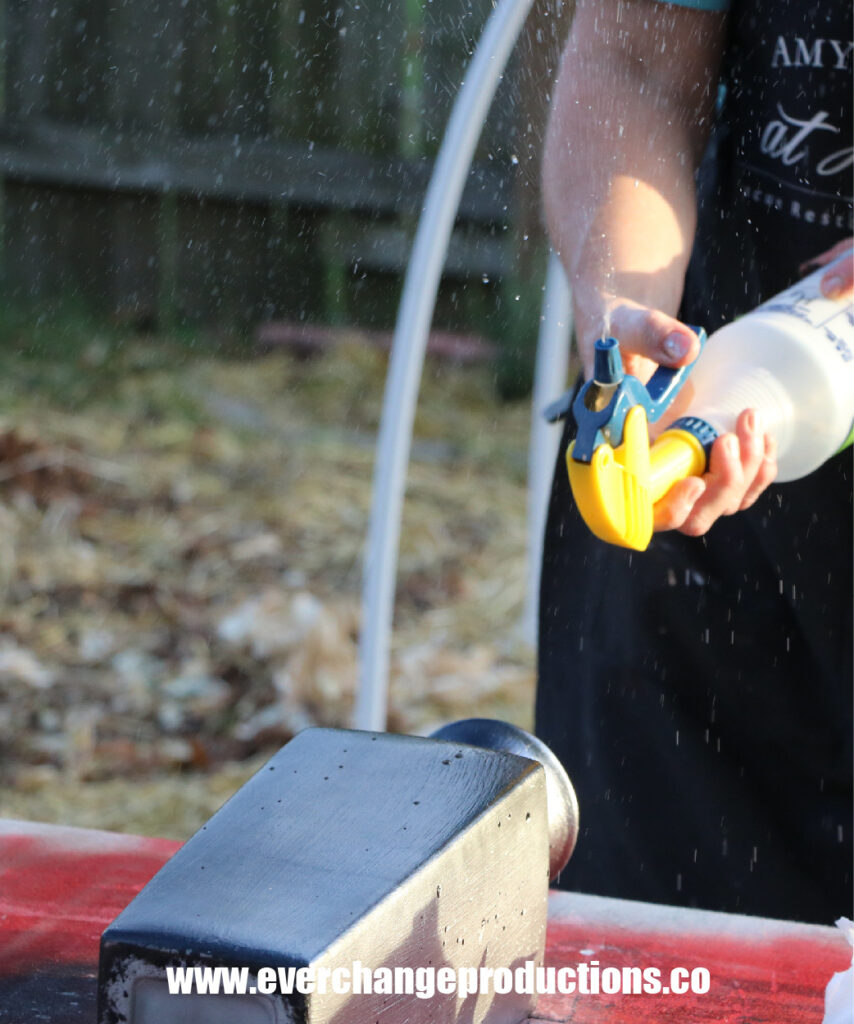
point(700, 693)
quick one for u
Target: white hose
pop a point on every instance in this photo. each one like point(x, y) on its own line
point(550, 370)
point(407, 354)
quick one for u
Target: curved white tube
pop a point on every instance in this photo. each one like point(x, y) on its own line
point(407, 354)
point(550, 370)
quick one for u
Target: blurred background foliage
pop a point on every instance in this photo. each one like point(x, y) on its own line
point(183, 502)
point(235, 161)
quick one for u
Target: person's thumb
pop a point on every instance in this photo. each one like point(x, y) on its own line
point(653, 335)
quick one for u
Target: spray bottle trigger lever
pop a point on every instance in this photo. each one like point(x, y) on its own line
point(601, 406)
point(609, 462)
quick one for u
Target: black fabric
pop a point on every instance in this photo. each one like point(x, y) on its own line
point(700, 693)
point(775, 188)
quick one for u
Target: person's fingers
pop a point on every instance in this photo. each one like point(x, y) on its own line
point(654, 336)
point(741, 466)
point(828, 256)
point(839, 279)
point(765, 474)
point(674, 508)
point(687, 505)
point(750, 432)
point(725, 487)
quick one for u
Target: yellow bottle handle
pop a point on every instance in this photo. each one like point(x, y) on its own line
point(615, 492)
point(676, 454)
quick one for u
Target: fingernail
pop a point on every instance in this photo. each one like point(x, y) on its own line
point(676, 345)
point(754, 422)
point(731, 445)
point(832, 286)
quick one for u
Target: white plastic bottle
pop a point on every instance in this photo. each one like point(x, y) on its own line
point(792, 358)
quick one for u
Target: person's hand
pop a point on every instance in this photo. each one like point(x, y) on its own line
point(839, 280)
point(741, 464)
point(648, 339)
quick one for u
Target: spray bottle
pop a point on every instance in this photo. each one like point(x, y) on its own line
point(792, 359)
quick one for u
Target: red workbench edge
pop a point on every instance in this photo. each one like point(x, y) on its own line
point(61, 886)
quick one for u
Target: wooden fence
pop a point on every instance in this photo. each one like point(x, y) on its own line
point(239, 160)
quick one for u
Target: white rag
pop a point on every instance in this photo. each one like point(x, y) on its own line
point(839, 994)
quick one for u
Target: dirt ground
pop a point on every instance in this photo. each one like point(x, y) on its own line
point(181, 538)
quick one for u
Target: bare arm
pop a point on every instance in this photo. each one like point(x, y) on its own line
point(630, 118)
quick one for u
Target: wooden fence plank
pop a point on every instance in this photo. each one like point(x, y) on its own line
point(29, 56)
point(223, 158)
point(30, 215)
point(309, 46)
point(242, 170)
point(367, 89)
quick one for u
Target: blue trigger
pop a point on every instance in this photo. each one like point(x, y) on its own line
point(666, 382)
point(601, 406)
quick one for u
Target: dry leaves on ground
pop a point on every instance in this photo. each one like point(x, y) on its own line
point(180, 566)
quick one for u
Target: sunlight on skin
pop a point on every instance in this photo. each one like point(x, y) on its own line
point(651, 214)
point(626, 264)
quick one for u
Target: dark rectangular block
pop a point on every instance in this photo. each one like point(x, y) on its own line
point(347, 846)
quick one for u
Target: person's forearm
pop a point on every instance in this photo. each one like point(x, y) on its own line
point(628, 126)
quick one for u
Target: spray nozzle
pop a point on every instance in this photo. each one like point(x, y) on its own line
point(614, 474)
point(607, 363)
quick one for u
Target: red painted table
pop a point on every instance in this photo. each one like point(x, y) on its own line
point(59, 888)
